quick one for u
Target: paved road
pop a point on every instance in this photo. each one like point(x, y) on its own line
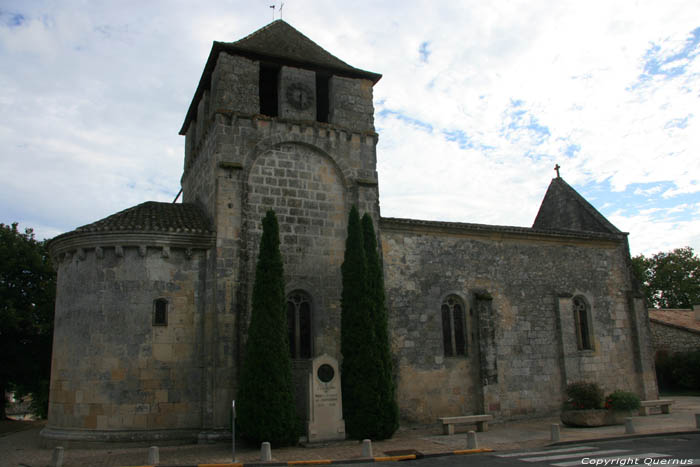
point(657, 450)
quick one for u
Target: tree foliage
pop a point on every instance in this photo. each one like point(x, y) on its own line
point(266, 408)
point(678, 371)
point(669, 279)
point(27, 295)
point(368, 393)
point(387, 417)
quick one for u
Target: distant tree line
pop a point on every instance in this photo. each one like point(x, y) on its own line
point(669, 279)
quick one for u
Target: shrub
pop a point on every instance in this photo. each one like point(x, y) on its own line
point(686, 369)
point(622, 400)
point(678, 371)
point(387, 414)
point(266, 408)
point(583, 395)
point(358, 342)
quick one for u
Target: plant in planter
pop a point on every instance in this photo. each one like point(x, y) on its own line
point(621, 404)
point(584, 396)
point(583, 405)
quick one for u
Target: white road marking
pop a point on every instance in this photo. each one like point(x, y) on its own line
point(550, 451)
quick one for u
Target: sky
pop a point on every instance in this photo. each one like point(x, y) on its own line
point(477, 103)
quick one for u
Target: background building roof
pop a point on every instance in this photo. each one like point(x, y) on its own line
point(679, 318)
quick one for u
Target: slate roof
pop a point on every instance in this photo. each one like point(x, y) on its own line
point(280, 43)
point(153, 216)
point(677, 318)
point(564, 209)
point(280, 40)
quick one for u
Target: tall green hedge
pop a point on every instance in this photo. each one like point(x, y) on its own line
point(357, 337)
point(387, 416)
point(266, 409)
point(679, 371)
point(369, 407)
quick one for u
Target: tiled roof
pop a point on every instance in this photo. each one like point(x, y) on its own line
point(677, 318)
point(393, 222)
point(281, 40)
point(564, 209)
point(153, 216)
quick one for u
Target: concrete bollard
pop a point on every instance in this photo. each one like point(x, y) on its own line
point(697, 421)
point(554, 428)
point(471, 440)
point(265, 452)
point(153, 455)
point(366, 448)
point(57, 458)
point(629, 427)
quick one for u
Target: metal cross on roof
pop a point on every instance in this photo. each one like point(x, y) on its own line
point(557, 167)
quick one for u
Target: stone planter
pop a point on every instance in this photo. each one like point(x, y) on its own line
point(617, 417)
point(594, 417)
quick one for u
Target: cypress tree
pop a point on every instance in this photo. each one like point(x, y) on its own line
point(266, 409)
point(387, 416)
point(357, 338)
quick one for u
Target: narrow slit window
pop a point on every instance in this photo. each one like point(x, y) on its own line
point(454, 333)
point(582, 317)
point(299, 325)
point(160, 312)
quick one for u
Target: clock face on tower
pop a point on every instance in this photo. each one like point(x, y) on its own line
point(299, 96)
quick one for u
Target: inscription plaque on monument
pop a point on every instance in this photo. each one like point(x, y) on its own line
point(325, 402)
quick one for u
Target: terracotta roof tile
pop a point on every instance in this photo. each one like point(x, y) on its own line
point(678, 318)
point(153, 216)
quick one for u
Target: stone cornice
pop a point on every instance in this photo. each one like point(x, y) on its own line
point(88, 240)
point(392, 224)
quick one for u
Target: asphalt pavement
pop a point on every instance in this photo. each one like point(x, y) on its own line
point(23, 449)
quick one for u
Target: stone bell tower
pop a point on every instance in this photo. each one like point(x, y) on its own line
point(277, 123)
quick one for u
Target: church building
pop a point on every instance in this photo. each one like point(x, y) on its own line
point(153, 302)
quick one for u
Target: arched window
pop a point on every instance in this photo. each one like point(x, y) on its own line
point(160, 312)
point(582, 318)
point(454, 335)
point(299, 324)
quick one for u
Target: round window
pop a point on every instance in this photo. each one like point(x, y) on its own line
point(325, 373)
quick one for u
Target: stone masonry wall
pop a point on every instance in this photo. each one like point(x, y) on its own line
point(522, 373)
point(351, 103)
point(307, 193)
point(112, 368)
point(672, 339)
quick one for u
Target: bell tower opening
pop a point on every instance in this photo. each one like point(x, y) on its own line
point(268, 85)
point(322, 97)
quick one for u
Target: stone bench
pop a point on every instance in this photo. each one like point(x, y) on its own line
point(665, 405)
point(481, 421)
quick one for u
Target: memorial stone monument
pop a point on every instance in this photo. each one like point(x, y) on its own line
point(325, 401)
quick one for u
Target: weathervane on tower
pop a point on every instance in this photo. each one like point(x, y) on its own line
point(272, 7)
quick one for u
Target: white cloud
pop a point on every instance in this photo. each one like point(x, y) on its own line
point(95, 93)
